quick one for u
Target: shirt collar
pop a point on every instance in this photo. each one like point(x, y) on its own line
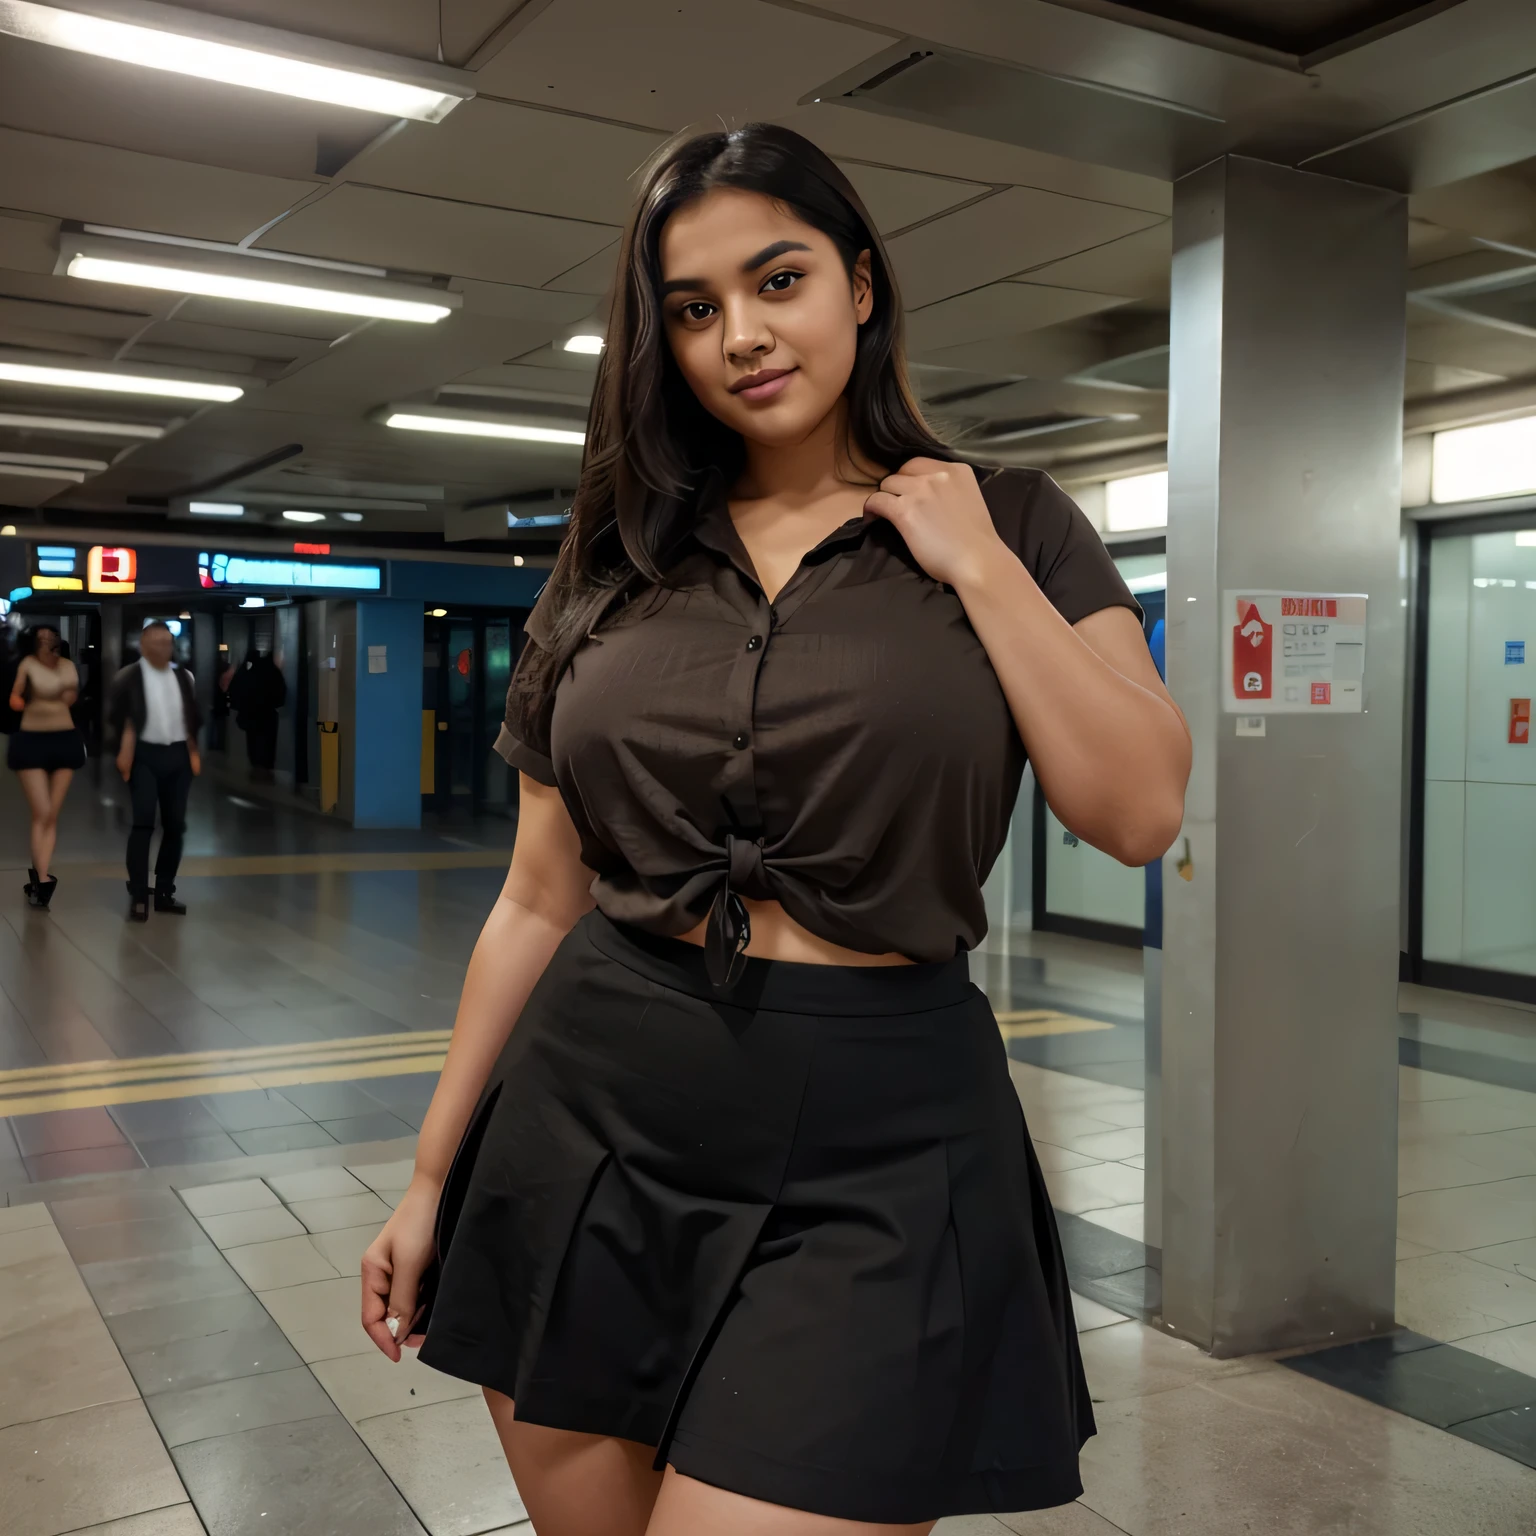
point(713, 528)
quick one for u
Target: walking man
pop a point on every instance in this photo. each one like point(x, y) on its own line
point(153, 709)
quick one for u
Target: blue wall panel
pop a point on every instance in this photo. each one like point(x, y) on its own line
point(387, 788)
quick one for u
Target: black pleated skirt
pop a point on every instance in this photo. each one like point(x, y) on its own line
point(794, 1237)
point(48, 750)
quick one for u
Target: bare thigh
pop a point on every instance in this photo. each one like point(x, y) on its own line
point(575, 1484)
point(34, 785)
point(687, 1507)
point(58, 786)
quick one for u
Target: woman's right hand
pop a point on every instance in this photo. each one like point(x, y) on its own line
point(395, 1262)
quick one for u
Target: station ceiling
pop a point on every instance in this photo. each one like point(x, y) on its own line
point(1018, 156)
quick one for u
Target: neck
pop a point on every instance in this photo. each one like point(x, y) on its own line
point(821, 463)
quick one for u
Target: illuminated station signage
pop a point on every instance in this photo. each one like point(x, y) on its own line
point(103, 569)
point(287, 572)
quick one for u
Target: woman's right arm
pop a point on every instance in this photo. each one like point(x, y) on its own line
point(546, 891)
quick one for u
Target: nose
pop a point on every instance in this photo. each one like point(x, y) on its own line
point(745, 333)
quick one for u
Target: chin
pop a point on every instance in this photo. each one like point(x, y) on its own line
point(776, 429)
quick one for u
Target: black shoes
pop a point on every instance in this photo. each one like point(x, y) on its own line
point(164, 901)
point(40, 892)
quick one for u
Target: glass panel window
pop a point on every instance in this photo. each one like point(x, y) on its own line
point(1497, 458)
point(1138, 501)
point(1479, 902)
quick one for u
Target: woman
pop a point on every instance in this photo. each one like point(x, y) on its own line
point(46, 748)
point(745, 1232)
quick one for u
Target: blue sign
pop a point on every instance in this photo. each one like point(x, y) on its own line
point(1514, 653)
point(247, 571)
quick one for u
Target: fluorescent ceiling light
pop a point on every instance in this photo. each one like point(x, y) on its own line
point(53, 461)
point(116, 383)
point(34, 472)
point(1526, 538)
point(589, 344)
point(215, 509)
point(467, 426)
point(238, 53)
point(79, 425)
point(262, 281)
point(1475, 463)
point(351, 517)
point(1136, 502)
point(253, 602)
point(305, 517)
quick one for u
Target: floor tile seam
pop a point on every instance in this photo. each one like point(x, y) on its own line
point(159, 1509)
point(1085, 1502)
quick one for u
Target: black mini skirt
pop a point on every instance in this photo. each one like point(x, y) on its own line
point(793, 1236)
point(48, 750)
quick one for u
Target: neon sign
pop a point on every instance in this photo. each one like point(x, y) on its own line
point(221, 570)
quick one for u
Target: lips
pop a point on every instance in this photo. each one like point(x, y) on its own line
point(762, 385)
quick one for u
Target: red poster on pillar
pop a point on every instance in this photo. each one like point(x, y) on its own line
point(1253, 645)
point(1519, 722)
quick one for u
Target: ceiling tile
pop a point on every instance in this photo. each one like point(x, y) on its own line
point(673, 63)
point(29, 490)
point(1000, 309)
point(1003, 235)
point(428, 234)
point(512, 156)
point(845, 131)
point(70, 180)
point(896, 199)
point(592, 276)
point(60, 93)
point(1139, 266)
point(28, 244)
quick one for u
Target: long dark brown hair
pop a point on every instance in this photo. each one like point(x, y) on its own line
point(648, 438)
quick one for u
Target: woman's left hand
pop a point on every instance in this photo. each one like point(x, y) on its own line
point(938, 510)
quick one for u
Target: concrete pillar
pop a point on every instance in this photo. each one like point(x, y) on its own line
point(1278, 1113)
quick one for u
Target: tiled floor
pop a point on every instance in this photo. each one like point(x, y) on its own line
point(179, 1347)
point(175, 1360)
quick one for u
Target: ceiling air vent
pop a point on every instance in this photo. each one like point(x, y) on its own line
point(1059, 114)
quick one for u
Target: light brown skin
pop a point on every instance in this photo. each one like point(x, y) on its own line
point(156, 646)
point(45, 791)
point(1110, 748)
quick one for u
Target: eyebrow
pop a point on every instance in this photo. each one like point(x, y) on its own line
point(751, 264)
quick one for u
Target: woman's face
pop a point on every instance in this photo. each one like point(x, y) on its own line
point(47, 642)
point(761, 314)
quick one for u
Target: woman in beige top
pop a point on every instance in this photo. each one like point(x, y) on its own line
point(46, 749)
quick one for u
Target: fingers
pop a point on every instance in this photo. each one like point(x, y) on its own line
point(376, 1282)
point(882, 504)
point(403, 1289)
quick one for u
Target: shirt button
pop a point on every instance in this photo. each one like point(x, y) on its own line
point(754, 642)
point(740, 740)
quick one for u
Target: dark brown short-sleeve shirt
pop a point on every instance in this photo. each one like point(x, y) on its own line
point(846, 751)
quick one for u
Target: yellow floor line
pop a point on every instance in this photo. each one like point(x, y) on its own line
point(68, 1082)
point(1025, 1027)
point(235, 1056)
point(194, 1087)
point(143, 1079)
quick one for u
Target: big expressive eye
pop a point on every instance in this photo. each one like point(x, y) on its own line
point(698, 310)
point(782, 282)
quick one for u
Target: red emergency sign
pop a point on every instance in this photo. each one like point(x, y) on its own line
point(1253, 647)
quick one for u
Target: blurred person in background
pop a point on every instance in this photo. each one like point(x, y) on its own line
point(46, 748)
point(257, 692)
point(153, 711)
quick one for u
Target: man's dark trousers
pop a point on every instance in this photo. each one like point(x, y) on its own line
point(161, 776)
